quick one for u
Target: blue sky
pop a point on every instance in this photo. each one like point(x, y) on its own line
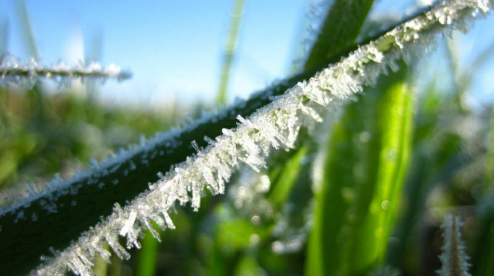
point(174, 48)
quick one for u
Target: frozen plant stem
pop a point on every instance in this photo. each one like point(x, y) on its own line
point(11, 71)
point(274, 125)
point(454, 259)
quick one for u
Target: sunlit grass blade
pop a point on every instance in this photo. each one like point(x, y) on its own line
point(396, 130)
point(368, 152)
point(437, 152)
point(146, 262)
point(100, 265)
point(231, 47)
point(283, 176)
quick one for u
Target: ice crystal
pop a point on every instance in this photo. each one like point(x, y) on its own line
point(12, 71)
point(275, 125)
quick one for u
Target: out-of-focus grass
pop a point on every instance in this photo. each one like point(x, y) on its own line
point(66, 134)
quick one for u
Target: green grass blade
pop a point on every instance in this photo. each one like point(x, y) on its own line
point(146, 262)
point(231, 47)
point(100, 265)
point(371, 240)
point(364, 171)
point(283, 176)
point(341, 28)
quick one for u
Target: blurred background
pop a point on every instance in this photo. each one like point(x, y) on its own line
point(190, 56)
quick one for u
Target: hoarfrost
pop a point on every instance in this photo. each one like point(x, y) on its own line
point(12, 71)
point(454, 259)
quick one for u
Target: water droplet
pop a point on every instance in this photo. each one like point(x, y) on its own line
point(364, 136)
point(392, 153)
point(385, 204)
point(255, 220)
point(264, 185)
point(277, 247)
point(254, 239)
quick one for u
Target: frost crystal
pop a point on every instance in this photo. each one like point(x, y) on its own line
point(275, 125)
point(13, 72)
